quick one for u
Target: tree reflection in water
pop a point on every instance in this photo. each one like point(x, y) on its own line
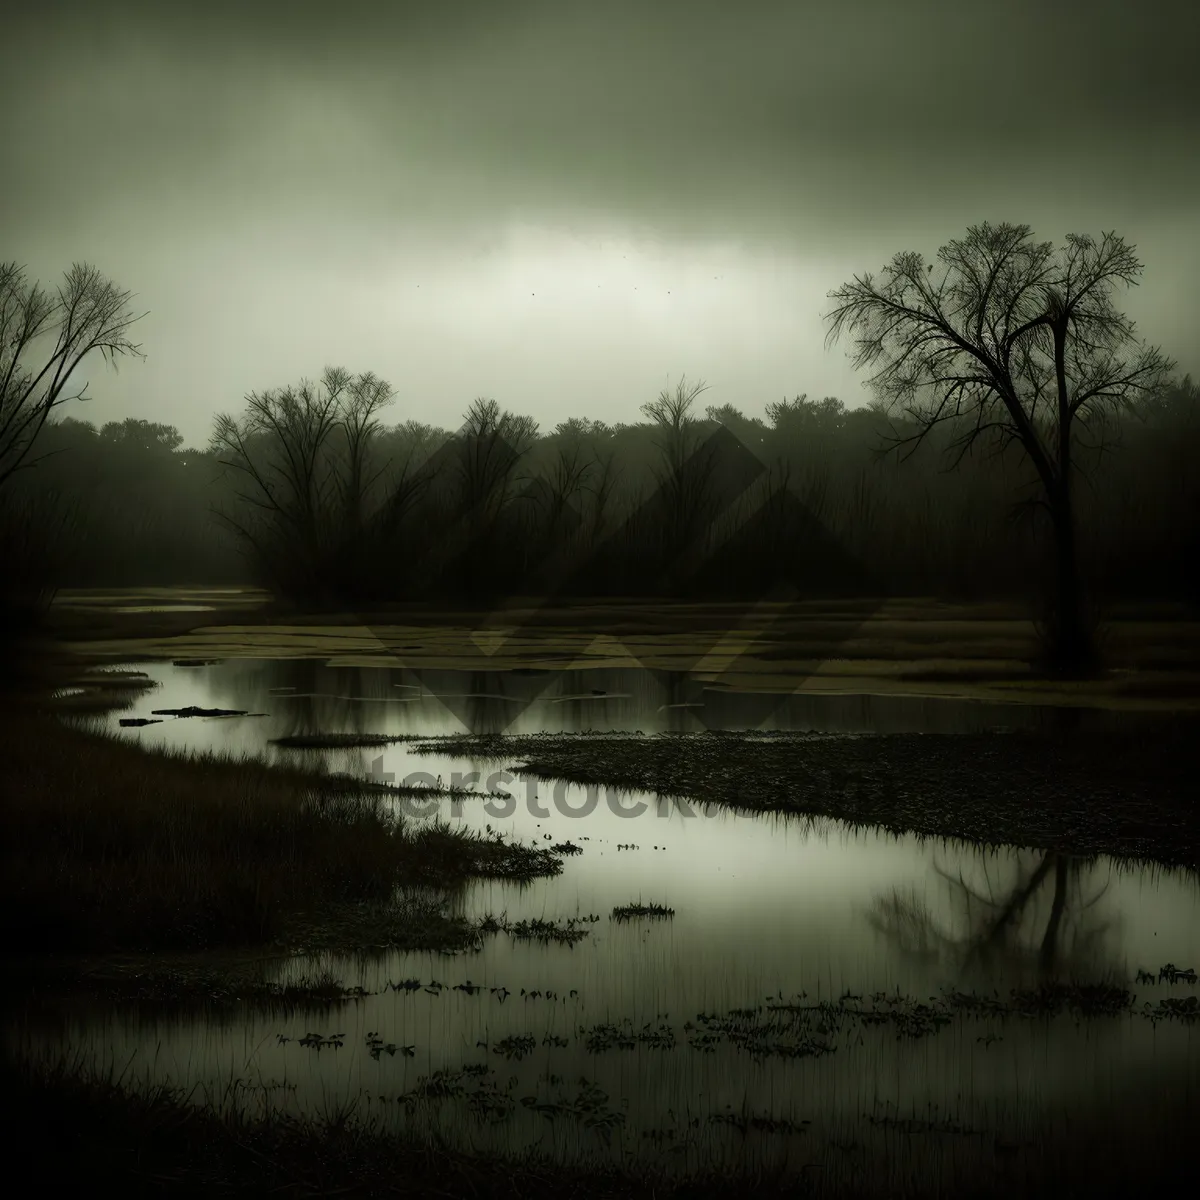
point(1042, 919)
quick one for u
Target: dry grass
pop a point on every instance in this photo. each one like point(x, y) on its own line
point(109, 847)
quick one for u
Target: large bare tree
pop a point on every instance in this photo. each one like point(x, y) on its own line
point(44, 337)
point(1013, 341)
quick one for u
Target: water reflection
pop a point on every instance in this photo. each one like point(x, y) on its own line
point(306, 695)
point(745, 1001)
point(1043, 920)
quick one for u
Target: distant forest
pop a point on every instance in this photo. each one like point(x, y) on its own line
point(312, 494)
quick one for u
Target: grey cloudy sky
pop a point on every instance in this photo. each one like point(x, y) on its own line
point(567, 205)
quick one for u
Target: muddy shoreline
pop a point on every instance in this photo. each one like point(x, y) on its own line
point(1129, 796)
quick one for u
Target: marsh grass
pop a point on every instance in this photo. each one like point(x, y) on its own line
point(77, 691)
point(629, 912)
point(336, 741)
point(110, 847)
point(566, 931)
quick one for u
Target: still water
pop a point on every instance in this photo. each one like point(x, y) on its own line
point(812, 977)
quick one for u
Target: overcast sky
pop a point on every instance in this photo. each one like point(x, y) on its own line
point(568, 205)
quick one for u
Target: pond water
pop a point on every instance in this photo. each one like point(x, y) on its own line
point(812, 974)
point(162, 608)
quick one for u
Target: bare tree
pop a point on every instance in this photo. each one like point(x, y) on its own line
point(490, 445)
point(684, 482)
point(585, 464)
point(296, 479)
point(1014, 342)
point(366, 395)
point(477, 478)
point(567, 477)
point(87, 314)
point(672, 415)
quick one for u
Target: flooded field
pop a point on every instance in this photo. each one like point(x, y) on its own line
point(698, 986)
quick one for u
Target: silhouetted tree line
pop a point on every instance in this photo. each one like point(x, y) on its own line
point(680, 504)
point(126, 504)
point(335, 506)
point(1012, 451)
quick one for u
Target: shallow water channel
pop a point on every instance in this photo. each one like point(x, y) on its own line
point(819, 993)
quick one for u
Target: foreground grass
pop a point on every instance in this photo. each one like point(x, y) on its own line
point(108, 847)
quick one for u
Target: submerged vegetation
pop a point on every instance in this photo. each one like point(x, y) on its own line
point(629, 912)
point(82, 1126)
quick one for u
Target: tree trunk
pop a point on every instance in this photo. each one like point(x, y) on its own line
point(1071, 645)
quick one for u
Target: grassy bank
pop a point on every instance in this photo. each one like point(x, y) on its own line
point(1129, 795)
point(108, 847)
